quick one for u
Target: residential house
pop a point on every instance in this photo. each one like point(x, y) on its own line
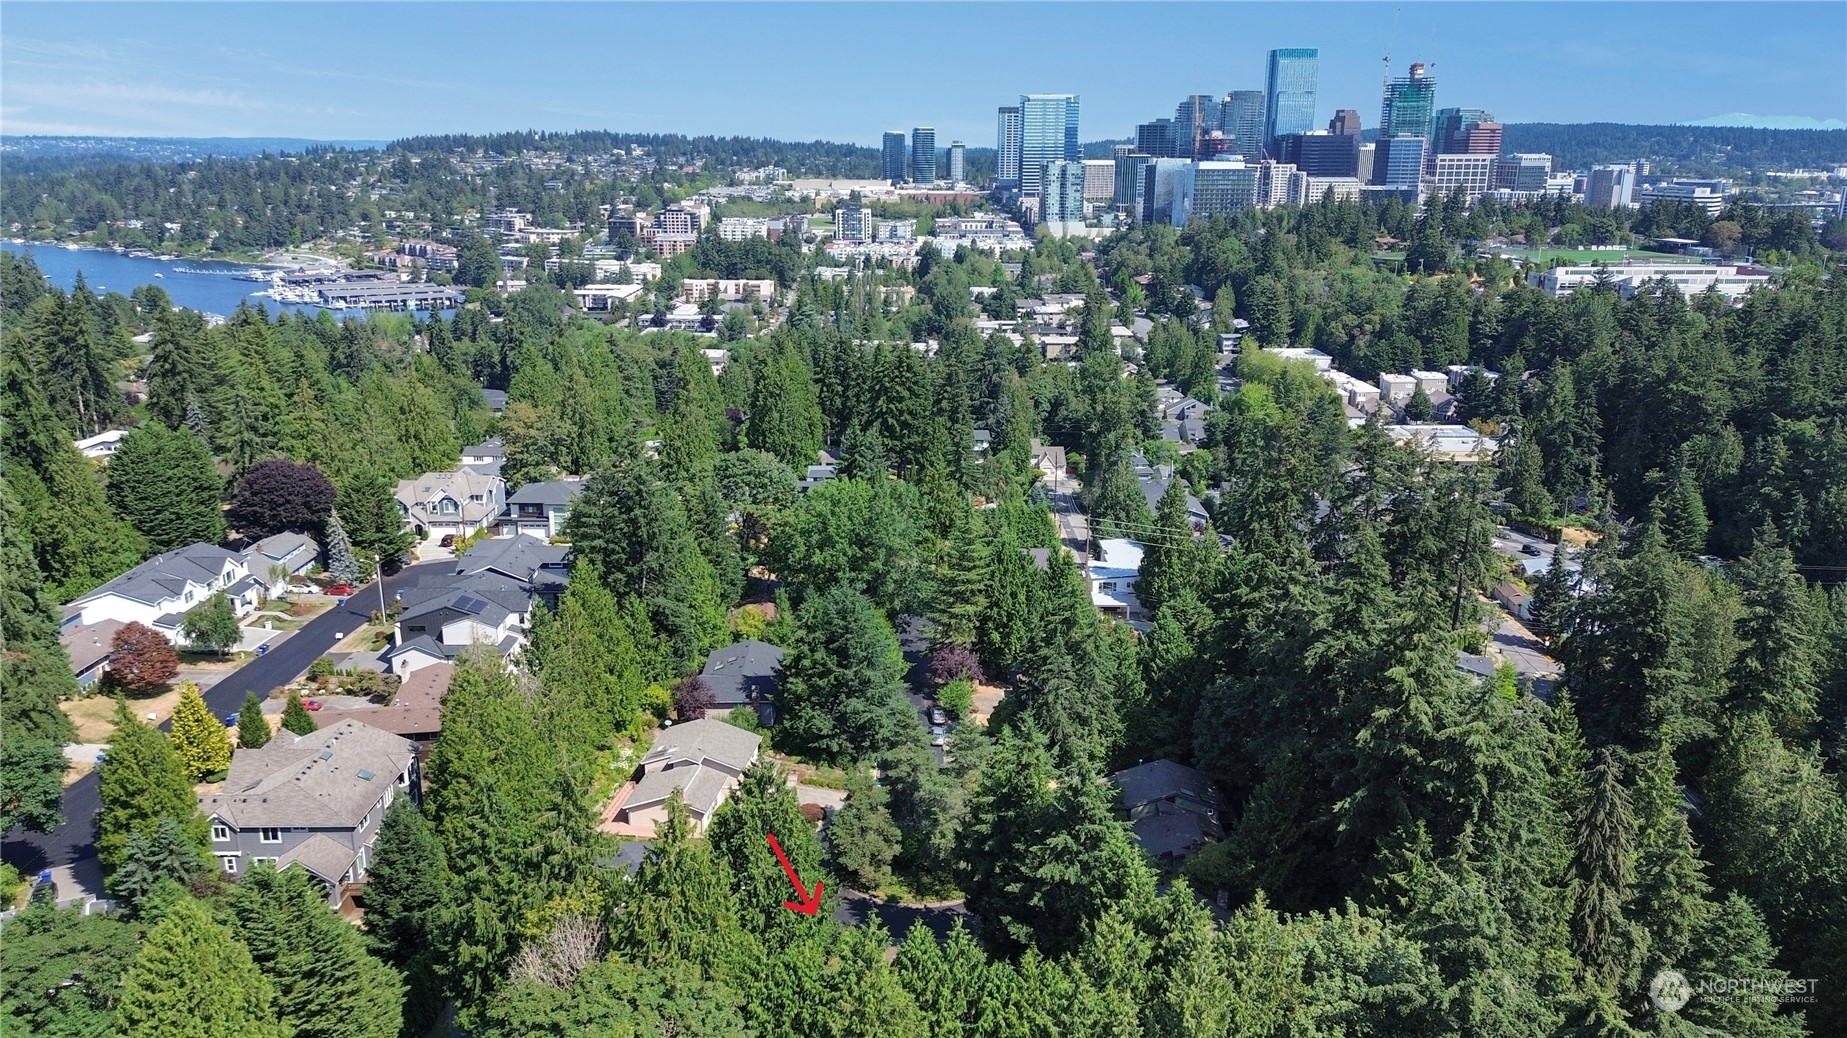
point(1511, 597)
point(1173, 809)
point(815, 475)
point(89, 646)
point(1048, 458)
point(278, 558)
point(1154, 480)
point(462, 502)
point(438, 622)
point(1112, 577)
point(539, 509)
point(743, 674)
point(415, 712)
point(160, 591)
point(486, 457)
point(313, 801)
point(102, 445)
point(702, 759)
point(487, 597)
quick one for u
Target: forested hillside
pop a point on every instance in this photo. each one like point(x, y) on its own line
point(1407, 850)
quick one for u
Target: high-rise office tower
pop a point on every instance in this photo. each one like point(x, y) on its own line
point(1610, 187)
point(1194, 118)
point(1007, 146)
point(1048, 133)
point(1222, 188)
point(1129, 182)
point(1410, 105)
point(1156, 138)
point(1408, 110)
point(1241, 117)
point(1062, 197)
point(893, 156)
point(1320, 154)
point(1346, 123)
point(1467, 131)
point(958, 161)
point(1400, 160)
point(923, 154)
point(1289, 94)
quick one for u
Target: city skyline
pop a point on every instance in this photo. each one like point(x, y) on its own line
point(170, 70)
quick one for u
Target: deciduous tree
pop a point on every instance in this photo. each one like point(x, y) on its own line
point(141, 659)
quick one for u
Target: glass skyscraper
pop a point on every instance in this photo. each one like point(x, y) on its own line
point(1007, 145)
point(1048, 133)
point(958, 161)
point(1289, 96)
point(923, 155)
point(1194, 119)
point(1241, 117)
point(1410, 105)
point(892, 156)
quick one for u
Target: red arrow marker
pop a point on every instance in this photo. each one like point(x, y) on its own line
point(809, 903)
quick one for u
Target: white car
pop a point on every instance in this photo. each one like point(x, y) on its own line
point(301, 589)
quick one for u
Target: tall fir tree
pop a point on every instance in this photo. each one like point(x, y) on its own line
point(143, 781)
point(326, 985)
point(165, 483)
point(342, 565)
point(192, 977)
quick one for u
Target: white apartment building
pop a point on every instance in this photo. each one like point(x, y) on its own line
point(741, 228)
point(1732, 282)
point(1474, 174)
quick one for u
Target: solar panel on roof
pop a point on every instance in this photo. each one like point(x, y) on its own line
point(470, 604)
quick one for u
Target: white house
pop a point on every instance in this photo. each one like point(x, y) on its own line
point(1113, 577)
point(160, 591)
point(102, 445)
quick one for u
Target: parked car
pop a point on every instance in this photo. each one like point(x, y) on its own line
point(448, 541)
point(340, 590)
point(301, 589)
point(938, 716)
point(1529, 548)
point(312, 704)
point(230, 719)
point(939, 741)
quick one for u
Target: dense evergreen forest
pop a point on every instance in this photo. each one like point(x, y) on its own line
point(1408, 851)
point(1692, 151)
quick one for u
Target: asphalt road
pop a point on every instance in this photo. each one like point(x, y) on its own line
point(76, 838)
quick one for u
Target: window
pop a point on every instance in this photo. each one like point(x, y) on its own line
point(230, 863)
point(189, 598)
point(265, 861)
point(220, 834)
point(448, 506)
point(367, 820)
point(270, 836)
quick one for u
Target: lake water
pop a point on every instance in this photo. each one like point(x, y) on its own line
point(216, 292)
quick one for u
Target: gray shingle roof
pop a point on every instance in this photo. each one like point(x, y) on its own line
point(554, 492)
point(311, 780)
point(734, 672)
point(702, 740)
point(165, 576)
point(517, 557)
point(278, 548)
point(322, 855)
point(462, 600)
point(1160, 780)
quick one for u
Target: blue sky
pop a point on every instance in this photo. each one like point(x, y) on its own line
point(847, 71)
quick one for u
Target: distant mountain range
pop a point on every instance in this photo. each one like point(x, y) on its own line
point(168, 149)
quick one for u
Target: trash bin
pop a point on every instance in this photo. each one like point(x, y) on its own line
point(263, 649)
